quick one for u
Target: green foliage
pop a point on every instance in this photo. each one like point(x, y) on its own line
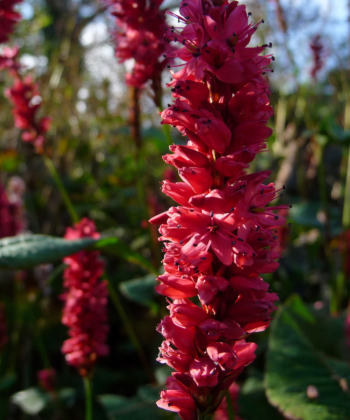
point(295, 363)
point(141, 407)
point(26, 251)
point(34, 400)
point(140, 290)
point(115, 247)
point(252, 402)
point(31, 401)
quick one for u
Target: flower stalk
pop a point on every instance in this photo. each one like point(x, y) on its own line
point(61, 188)
point(130, 331)
point(88, 398)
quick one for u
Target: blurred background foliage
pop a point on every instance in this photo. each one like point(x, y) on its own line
point(67, 45)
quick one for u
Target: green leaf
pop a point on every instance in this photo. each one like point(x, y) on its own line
point(141, 407)
point(27, 251)
point(31, 401)
point(295, 364)
point(115, 247)
point(140, 290)
point(7, 382)
point(67, 396)
point(252, 402)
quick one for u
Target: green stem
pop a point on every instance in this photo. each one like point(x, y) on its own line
point(55, 176)
point(88, 397)
point(42, 350)
point(230, 409)
point(205, 416)
point(346, 209)
point(130, 330)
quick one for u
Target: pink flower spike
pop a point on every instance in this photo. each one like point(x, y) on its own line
point(221, 238)
point(85, 297)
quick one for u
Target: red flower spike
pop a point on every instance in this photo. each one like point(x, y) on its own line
point(318, 56)
point(139, 36)
point(26, 99)
point(222, 236)
point(47, 379)
point(8, 18)
point(85, 311)
point(11, 217)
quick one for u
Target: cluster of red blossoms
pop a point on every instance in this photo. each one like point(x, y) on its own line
point(140, 36)
point(222, 236)
point(318, 53)
point(24, 94)
point(26, 100)
point(47, 379)
point(11, 220)
point(8, 18)
point(85, 311)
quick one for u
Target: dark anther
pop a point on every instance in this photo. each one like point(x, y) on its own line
point(234, 34)
point(164, 55)
point(203, 258)
point(250, 13)
point(273, 58)
point(276, 217)
point(212, 214)
point(240, 239)
point(289, 225)
point(181, 242)
point(262, 190)
point(233, 242)
point(270, 44)
point(290, 206)
point(195, 245)
point(284, 187)
point(262, 21)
